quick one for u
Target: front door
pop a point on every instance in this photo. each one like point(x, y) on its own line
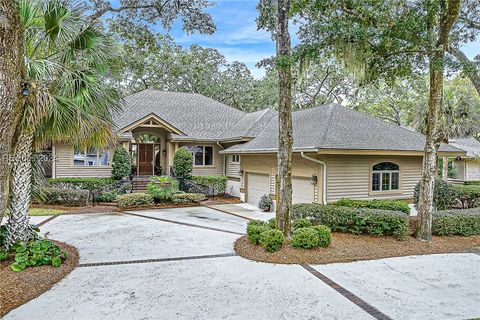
point(145, 159)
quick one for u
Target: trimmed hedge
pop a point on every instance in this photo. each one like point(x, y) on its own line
point(466, 196)
point(65, 197)
point(384, 204)
point(183, 163)
point(271, 240)
point(255, 229)
point(472, 182)
point(188, 197)
point(217, 183)
point(121, 164)
point(306, 238)
point(80, 183)
point(465, 222)
point(355, 220)
point(324, 235)
point(301, 223)
point(453, 196)
point(135, 200)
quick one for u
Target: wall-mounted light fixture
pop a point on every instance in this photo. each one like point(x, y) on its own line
point(313, 179)
point(25, 90)
point(164, 152)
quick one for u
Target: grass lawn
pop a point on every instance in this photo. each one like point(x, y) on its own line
point(45, 212)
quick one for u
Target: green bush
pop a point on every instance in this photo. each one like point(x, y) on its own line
point(218, 184)
point(271, 239)
point(3, 255)
point(3, 235)
point(108, 196)
point(306, 238)
point(466, 196)
point(80, 183)
point(355, 220)
point(272, 223)
point(254, 229)
point(121, 164)
point(301, 223)
point(162, 189)
point(37, 253)
point(265, 203)
point(472, 182)
point(188, 197)
point(65, 197)
point(443, 195)
point(134, 200)
point(464, 222)
point(384, 204)
point(183, 163)
point(324, 235)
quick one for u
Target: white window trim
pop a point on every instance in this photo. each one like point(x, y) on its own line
point(203, 158)
point(235, 158)
point(381, 191)
point(97, 159)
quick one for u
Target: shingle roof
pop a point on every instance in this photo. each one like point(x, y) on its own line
point(195, 115)
point(336, 127)
point(470, 145)
point(250, 124)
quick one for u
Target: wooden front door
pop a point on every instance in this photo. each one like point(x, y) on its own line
point(145, 159)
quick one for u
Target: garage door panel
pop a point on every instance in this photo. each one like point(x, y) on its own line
point(303, 190)
point(257, 186)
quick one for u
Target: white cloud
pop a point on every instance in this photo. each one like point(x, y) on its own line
point(248, 56)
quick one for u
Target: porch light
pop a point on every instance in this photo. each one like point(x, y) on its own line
point(25, 90)
point(164, 152)
point(313, 179)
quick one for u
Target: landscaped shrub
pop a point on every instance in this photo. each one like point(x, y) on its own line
point(183, 163)
point(121, 164)
point(80, 183)
point(3, 254)
point(472, 182)
point(217, 184)
point(443, 195)
point(108, 196)
point(162, 189)
point(272, 223)
point(354, 220)
point(384, 204)
point(301, 223)
point(254, 229)
point(265, 203)
point(188, 197)
point(324, 235)
point(271, 239)
point(37, 253)
point(3, 235)
point(464, 222)
point(306, 238)
point(134, 200)
point(65, 197)
point(466, 196)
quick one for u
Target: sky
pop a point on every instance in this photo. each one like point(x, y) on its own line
point(238, 39)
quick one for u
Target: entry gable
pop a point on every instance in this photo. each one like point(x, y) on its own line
point(151, 121)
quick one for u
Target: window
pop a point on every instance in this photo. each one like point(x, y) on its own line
point(236, 158)
point(91, 158)
point(203, 155)
point(385, 177)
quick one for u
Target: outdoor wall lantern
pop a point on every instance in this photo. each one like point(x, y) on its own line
point(25, 90)
point(164, 152)
point(313, 179)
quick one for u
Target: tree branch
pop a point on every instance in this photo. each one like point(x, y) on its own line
point(469, 67)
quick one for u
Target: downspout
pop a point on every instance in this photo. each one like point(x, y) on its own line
point(224, 169)
point(324, 176)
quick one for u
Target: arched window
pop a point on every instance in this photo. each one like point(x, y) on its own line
point(385, 176)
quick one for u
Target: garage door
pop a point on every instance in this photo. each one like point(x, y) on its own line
point(303, 191)
point(257, 186)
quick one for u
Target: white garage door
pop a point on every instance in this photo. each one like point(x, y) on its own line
point(303, 191)
point(257, 185)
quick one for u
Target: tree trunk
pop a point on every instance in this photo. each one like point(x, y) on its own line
point(447, 17)
point(445, 169)
point(18, 220)
point(11, 71)
point(285, 136)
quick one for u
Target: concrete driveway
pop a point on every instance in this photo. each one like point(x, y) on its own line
point(180, 264)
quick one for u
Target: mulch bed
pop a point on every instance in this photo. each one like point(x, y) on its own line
point(165, 205)
point(17, 288)
point(223, 199)
point(348, 247)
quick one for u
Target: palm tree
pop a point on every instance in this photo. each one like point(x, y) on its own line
point(67, 99)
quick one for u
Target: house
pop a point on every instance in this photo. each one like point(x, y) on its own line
point(466, 167)
point(337, 152)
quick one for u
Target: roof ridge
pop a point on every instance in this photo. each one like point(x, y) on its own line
point(322, 141)
point(250, 128)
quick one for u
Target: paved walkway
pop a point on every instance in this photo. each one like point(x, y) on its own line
point(180, 264)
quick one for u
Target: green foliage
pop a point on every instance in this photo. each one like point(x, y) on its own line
point(472, 182)
point(217, 183)
point(3, 254)
point(272, 223)
point(301, 223)
point(80, 183)
point(37, 253)
point(466, 196)
point(66, 197)
point(183, 163)
point(384, 204)
point(355, 220)
point(443, 195)
point(162, 189)
point(3, 235)
point(456, 222)
point(108, 196)
point(188, 197)
point(134, 200)
point(254, 229)
point(453, 196)
point(306, 238)
point(44, 212)
point(324, 235)
point(271, 239)
point(265, 203)
point(121, 164)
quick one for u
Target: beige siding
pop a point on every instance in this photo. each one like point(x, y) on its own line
point(216, 168)
point(64, 165)
point(349, 176)
point(232, 169)
point(473, 170)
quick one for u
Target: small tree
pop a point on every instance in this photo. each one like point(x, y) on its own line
point(183, 163)
point(121, 166)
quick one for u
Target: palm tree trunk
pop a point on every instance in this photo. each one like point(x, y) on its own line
point(11, 72)
point(18, 220)
point(445, 169)
point(285, 136)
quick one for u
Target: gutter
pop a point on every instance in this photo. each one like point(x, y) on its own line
point(324, 177)
point(224, 169)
